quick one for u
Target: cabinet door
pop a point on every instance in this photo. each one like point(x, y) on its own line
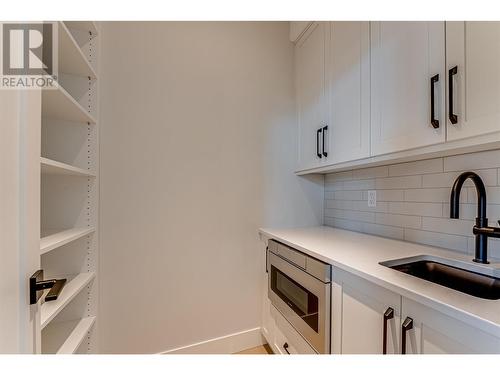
point(404, 57)
point(349, 87)
point(310, 92)
point(363, 308)
point(436, 333)
point(474, 48)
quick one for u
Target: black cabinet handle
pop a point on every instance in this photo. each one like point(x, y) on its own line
point(388, 315)
point(38, 284)
point(285, 346)
point(317, 143)
point(325, 129)
point(407, 325)
point(434, 121)
point(451, 73)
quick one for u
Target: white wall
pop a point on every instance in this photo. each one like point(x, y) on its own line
point(198, 147)
point(413, 200)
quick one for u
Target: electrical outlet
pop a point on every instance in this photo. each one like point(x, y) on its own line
point(372, 198)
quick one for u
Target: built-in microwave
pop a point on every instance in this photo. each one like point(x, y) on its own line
point(300, 288)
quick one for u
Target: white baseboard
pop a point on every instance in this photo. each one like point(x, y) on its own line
point(229, 344)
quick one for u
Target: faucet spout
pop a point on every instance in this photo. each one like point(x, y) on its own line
point(455, 195)
point(481, 229)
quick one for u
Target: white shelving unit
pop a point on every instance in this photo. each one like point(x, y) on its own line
point(72, 61)
point(66, 337)
point(55, 167)
point(70, 291)
point(55, 238)
point(58, 104)
point(85, 26)
point(69, 198)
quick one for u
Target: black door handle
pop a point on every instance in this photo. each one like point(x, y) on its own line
point(434, 121)
point(388, 315)
point(451, 73)
point(325, 129)
point(317, 143)
point(285, 346)
point(407, 325)
point(37, 285)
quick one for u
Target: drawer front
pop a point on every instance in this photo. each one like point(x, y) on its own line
point(285, 333)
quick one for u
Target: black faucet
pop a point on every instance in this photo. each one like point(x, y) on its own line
point(481, 230)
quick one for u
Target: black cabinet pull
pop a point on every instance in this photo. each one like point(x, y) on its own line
point(325, 129)
point(388, 315)
point(285, 346)
point(317, 143)
point(451, 73)
point(407, 325)
point(434, 121)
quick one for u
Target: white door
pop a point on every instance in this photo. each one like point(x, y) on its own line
point(432, 332)
point(404, 58)
point(363, 308)
point(349, 87)
point(310, 54)
point(474, 49)
point(19, 219)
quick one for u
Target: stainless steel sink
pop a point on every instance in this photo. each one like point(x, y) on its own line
point(478, 281)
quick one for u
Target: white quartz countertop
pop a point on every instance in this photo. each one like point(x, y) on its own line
point(360, 254)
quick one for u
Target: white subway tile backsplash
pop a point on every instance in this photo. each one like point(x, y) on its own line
point(343, 205)
point(416, 167)
point(440, 195)
point(387, 195)
point(449, 226)
point(341, 176)
point(368, 217)
point(441, 180)
point(374, 172)
point(363, 206)
point(406, 182)
point(383, 230)
point(448, 241)
point(413, 200)
point(468, 211)
point(416, 208)
point(405, 221)
point(351, 195)
point(492, 195)
point(478, 160)
point(359, 185)
point(334, 186)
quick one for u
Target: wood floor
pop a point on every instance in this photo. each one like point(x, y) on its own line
point(262, 349)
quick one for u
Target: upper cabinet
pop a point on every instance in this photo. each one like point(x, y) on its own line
point(383, 92)
point(348, 70)
point(310, 56)
point(405, 56)
point(332, 67)
point(473, 61)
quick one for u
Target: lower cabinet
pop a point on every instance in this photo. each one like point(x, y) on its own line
point(432, 332)
point(368, 319)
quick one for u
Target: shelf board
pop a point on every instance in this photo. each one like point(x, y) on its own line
point(49, 166)
point(65, 337)
point(52, 239)
point(71, 58)
point(49, 310)
point(87, 26)
point(58, 104)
